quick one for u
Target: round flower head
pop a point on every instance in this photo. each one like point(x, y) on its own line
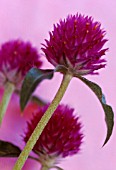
point(16, 58)
point(76, 44)
point(61, 137)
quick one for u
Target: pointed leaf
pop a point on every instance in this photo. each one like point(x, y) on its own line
point(7, 149)
point(109, 115)
point(38, 100)
point(31, 81)
point(34, 98)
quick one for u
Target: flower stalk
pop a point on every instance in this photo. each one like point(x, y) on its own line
point(9, 88)
point(43, 122)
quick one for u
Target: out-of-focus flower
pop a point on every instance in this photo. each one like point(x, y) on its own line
point(76, 44)
point(61, 137)
point(16, 58)
point(11, 129)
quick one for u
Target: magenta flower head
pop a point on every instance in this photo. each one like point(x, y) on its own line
point(61, 137)
point(76, 44)
point(16, 58)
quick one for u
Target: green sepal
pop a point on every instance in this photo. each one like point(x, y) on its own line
point(32, 79)
point(109, 114)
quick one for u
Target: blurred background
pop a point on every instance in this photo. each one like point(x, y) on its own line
point(31, 20)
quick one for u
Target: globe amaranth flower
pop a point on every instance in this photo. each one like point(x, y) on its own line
point(61, 137)
point(16, 58)
point(76, 44)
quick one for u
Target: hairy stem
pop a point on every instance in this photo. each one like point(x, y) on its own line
point(9, 88)
point(43, 122)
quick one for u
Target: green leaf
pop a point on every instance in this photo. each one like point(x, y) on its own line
point(7, 149)
point(31, 81)
point(34, 98)
point(109, 115)
point(38, 100)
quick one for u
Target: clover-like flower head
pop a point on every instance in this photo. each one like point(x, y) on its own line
point(16, 58)
point(61, 137)
point(76, 44)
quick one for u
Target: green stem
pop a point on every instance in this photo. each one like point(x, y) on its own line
point(9, 88)
point(43, 122)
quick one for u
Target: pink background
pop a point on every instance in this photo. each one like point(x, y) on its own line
point(31, 20)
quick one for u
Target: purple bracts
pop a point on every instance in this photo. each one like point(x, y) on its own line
point(16, 58)
point(76, 43)
point(61, 137)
